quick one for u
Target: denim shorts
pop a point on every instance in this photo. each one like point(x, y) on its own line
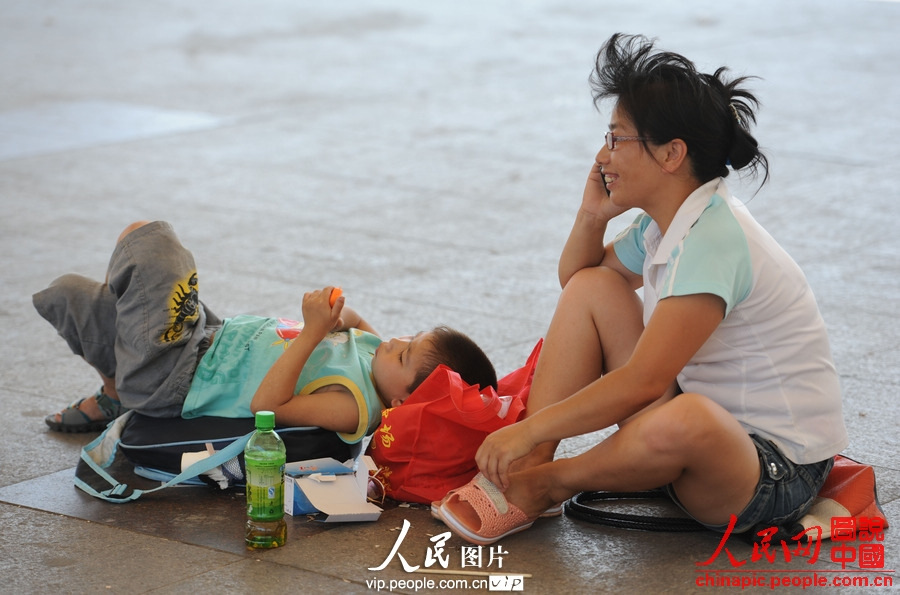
point(784, 493)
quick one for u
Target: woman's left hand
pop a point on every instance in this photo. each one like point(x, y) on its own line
point(500, 449)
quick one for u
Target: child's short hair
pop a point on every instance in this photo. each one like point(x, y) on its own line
point(459, 353)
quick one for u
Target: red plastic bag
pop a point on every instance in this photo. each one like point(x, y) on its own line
point(427, 446)
point(848, 493)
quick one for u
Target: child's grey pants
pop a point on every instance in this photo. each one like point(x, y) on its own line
point(146, 327)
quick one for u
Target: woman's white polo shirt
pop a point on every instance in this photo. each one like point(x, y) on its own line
point(769, 362)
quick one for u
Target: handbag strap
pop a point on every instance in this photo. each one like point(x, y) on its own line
point(119, 492)
point(577, 507)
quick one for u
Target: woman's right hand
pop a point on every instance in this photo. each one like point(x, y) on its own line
point(596, 200)
point(500, 449)
point(585, 247)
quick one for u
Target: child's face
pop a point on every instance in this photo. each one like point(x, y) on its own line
point(395, 365)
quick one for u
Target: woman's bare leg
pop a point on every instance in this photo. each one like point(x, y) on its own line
point(690, 442)
point(597, 323)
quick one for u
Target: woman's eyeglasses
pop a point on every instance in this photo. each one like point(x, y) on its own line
point(612, 139)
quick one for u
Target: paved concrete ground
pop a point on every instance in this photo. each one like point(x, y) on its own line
point(429, 158)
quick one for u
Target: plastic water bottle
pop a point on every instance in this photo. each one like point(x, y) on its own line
point(264, 458)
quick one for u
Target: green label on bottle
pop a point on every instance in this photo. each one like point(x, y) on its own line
point(265, 491)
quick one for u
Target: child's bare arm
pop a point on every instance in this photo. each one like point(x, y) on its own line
point(351, 319)
point(334, 410)
point(276, 391)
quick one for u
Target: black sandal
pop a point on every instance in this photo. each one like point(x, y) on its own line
point(74, 420)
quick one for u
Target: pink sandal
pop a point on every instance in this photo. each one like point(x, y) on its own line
point(553, 511)
point(498, 517)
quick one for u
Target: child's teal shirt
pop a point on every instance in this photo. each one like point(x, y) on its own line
point(246, 347)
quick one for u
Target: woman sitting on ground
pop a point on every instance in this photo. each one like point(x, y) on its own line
point(721, 380)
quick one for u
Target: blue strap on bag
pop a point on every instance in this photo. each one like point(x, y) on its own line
point(160, 450)
point(100, 454)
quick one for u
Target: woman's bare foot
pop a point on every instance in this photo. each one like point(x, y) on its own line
point(527, 491)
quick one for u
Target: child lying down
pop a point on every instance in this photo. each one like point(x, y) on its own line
point(160, 351)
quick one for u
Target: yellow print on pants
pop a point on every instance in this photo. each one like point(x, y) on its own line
point(185, 306)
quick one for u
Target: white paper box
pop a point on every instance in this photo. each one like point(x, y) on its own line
point(333, 491)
